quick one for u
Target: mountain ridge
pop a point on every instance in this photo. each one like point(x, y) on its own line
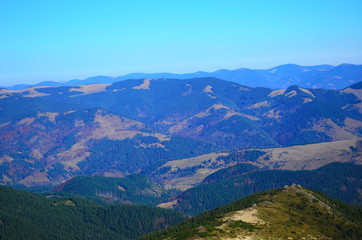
point(283, 76)
point(291, 212)
point(59, 131)
point(186, 173)
point(227, 185)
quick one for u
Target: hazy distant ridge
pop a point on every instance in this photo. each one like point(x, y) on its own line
point(283, 76)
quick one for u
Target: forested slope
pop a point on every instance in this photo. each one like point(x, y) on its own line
point(30, 216)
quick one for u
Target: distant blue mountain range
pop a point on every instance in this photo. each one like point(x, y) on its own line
point(319, 76)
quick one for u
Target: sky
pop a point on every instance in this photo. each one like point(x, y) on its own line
point(60, 40)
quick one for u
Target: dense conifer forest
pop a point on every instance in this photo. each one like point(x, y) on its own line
point(26, 215)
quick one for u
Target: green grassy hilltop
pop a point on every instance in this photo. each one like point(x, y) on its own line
point(291, 212)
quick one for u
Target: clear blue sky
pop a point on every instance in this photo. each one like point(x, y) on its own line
point(59, 40)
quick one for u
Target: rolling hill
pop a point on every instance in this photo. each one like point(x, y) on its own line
point(341, 181)
point(132, 189)
point(291, 212)
point(51, 147)
point(50, 134)
point(186, 173)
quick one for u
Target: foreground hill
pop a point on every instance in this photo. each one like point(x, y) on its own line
point(342, 181)
point(291, 212)
point(50, 134)
point(29, 216)
point(320, 76)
